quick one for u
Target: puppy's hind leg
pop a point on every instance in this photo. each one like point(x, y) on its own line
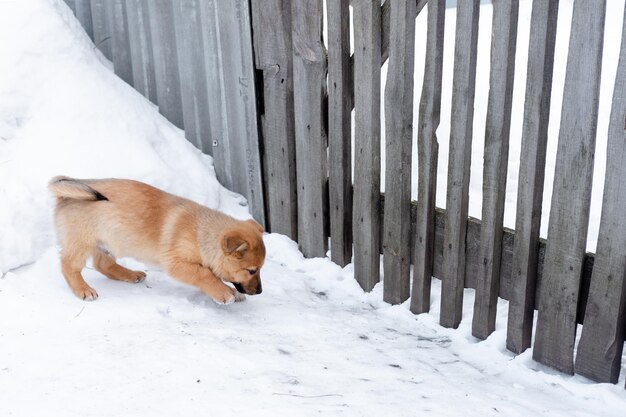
point(72, 263)
point(105, 263)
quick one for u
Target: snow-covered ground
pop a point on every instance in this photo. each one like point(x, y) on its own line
point(312, 343)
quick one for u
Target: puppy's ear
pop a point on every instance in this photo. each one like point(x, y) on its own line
point(233, 243)
point(255, 225)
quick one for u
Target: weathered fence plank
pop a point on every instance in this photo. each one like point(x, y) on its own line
point(140, 42)
point(100, 25)
point(271, 20)
point(496, 155)
point(569, 215)
point(531, 174)
point(192, 71)
point(339, 133)
point(82, 11)
point(120, 47)
point(427, 152)
point(308, 78)
point(166, 75)
point(463, 89)
point(398, 144)
point(366, 200)
point(601, 343)
point(229, 64)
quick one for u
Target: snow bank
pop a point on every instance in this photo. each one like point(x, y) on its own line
point(62, 111)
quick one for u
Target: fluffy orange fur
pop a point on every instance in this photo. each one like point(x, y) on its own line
point(110, 218)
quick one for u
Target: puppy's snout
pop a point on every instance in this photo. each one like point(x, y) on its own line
point(259, 288)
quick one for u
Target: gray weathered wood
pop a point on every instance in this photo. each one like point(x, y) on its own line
point(569, 214)
point(140, 42)
point(100, 25)
point(163, 36)
point(339, 133)
point(271, 21)
point(82, 11)
point(398, 145)
point(531, 174)
point(227, 39)
point(427, 151)
point(366, 198)
point(496, 155)
point(120, 47)
point(463, 90)
point(192, 72)
point(308, 78)
point(601, 343)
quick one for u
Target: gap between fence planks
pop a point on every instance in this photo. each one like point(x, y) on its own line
point(309, 68)
point(366, 197)
point(398, 145)
point(569, 214)
point(427, 149)
point(601, 344)
point(457, 200)
point(531, 174)
point(496, 155)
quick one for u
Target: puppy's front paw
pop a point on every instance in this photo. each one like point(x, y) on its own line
point(226, 295)
point(239, 297)
point(86, 293)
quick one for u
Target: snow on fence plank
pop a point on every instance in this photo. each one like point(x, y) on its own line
point(309, 76)
point(525, 262)
point(163, 35)
point(601, 343)
point(459, 162)
point(569, 215)
point(496, 156)
point(140, 42)
point(271, 21)
point(339, 132)
point(399, 137)
point(428, 148)
point(120, 46)
point(366, 199)
point(193, 77)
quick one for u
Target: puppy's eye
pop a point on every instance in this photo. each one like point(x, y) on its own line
point(252, 271)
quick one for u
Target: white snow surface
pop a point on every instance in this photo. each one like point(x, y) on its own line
point(313, 343)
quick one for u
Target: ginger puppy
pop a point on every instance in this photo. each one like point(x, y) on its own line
point(111, 218)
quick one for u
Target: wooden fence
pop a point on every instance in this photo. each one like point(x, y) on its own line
point(308, 97)
point(193, 58)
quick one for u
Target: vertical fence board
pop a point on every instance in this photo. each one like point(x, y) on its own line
point(166, 75)
point(503, 45)
point(601, 343)
point(140, 42)
point(226, 35)
point(309, 77)
point(100, 25)
point(120, 47)
point(463, 89)
point(194, 93)
point(82, 11)
point(427, 149)
point(366, 200)
point(398, 144)
point(569, 215)
point(339, 133)
point(271, 20)
point(525, 261)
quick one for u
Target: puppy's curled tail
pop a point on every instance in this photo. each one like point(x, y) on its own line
point(65, 187)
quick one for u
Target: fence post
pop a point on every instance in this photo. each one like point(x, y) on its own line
point(398, 144)
point(427, 152)
point(601, 343)
point(569, 214)
point(366, 199)
point(463, 90)
point(339, 133)
point(503, 45)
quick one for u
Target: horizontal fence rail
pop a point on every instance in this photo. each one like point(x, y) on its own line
point(553, 276)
